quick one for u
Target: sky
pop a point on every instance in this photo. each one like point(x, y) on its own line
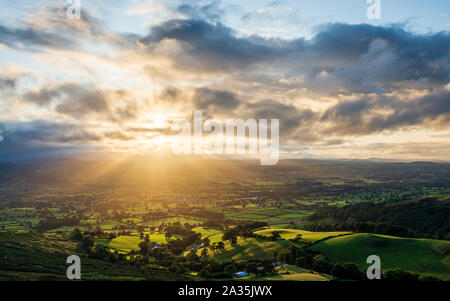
point(341, 84)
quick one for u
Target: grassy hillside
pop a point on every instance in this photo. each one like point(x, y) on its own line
point(423, 256)
point(43, 257)
point(126, 243)
point(252, 248)
point(306, 235)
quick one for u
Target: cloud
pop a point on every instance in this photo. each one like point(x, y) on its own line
point(367, 56)
point(208, 47)
point(10, 75)
point(211, 11)
point(7, 83)
point(49, 27)
point(20, 37)
point(346, 82)
point(388, 113)
point(215, 100)
point(354, 58)
point(41, 131)
point(40, 138)
point(80, 101)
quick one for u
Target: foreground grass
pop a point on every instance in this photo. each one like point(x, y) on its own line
point(33, 256)
point(294, 273)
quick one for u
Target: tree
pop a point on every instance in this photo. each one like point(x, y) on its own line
point(144, 247)
point(268, 267)
point(276, 235)
point(230, 269)
point(100, 252)
point(76, 234)
point(252, 268)
point(147, 238)
point(294, 254)
point(204, 253)
point(192, 256)
point(399, 275)
point(113, 256)
point(87, 243)
point(301, 262)
point(206, 241)
point(321, 265)
point(220, 246)
point(352, 271)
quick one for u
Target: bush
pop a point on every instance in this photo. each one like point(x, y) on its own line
point(399, 275)
point(252, 268)
point(302, 262)
point(321, 265)
point(217, 275)
point(230, 269)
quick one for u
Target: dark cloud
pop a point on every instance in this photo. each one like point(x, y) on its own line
point(40, 131)
point(71, 99)
point(78, 101)
point(216, 47)
point(118, 135)
point(212, 11)
point(43, 96)
point(19, 37)
point(170, 94)
point(367, 116)
point(291, 119)
point(366, 58)
point(27, 140)
point(7, 83)
point(340, 58)
point(215, 100)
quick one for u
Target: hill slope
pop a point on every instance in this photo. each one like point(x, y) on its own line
point(423, 256)
point(43, 257)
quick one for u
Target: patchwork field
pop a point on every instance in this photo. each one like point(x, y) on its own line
point(271, 215)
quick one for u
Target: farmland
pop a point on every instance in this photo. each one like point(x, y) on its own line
point(299, 221)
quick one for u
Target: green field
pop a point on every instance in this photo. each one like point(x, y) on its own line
point(206, 232)
point(424, 256)
point(127, 243)
point(307, 236)
point(251, 248)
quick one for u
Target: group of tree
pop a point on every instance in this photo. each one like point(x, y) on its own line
point(426, 217)
point(54, 223)
point(245, 230)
